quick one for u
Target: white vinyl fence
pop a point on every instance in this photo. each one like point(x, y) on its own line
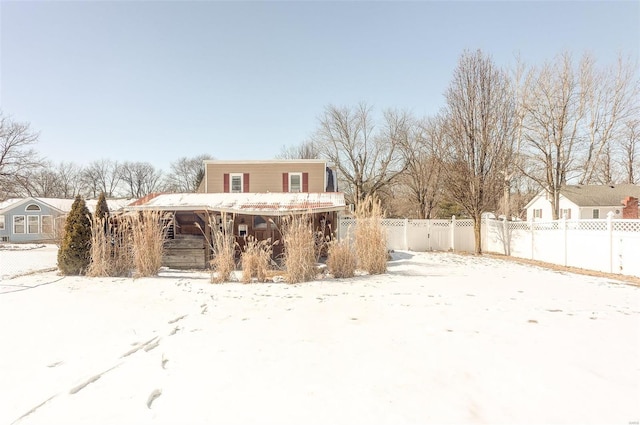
point(605, 245)
point(420, 235)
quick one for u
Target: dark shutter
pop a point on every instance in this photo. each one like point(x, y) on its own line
point(285, 182)
point(225, 183)
point(305, 182)
point(245, 182)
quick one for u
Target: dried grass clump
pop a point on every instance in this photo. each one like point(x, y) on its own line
point(148, 233)
point(370, 240)
point(299, 248)
point(223, 246)
point(100, 253)
point(110, 248)
point(256, 258)
point(341, 259)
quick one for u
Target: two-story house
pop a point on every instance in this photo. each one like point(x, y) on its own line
point(274, 176)
point(255, 196)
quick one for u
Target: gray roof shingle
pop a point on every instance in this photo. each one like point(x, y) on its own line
point(599, 195)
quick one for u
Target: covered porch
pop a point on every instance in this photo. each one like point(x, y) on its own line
point(258, 215)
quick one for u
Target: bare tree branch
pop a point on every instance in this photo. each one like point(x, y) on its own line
point(17, 157)
point(367, 161)
point(480, 128)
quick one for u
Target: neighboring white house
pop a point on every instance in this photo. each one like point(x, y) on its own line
point(586, 202)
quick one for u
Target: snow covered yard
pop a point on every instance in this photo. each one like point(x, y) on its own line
point(441, 338)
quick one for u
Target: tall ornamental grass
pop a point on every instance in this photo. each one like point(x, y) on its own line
point(370, 238)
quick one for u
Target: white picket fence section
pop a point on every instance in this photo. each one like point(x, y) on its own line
point(607, 245)
point(420, 235)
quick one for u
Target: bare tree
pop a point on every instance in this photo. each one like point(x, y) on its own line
point(102, 176)
point(611, 98)
point(554, 108)
point(367, 161)
point(480, 127)
point(70, 179)
point(305, 150)
point(630, 149)
point(420, 182)
point(140, 178)
point(16, 155)
point(186, 174)
point(41, 182)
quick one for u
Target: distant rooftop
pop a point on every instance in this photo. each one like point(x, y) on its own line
point(599, 195)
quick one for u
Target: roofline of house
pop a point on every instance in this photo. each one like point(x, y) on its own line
point(205, 208)
point(26, 200)
point(568, 198)
point(265, 161)
point(535, 198)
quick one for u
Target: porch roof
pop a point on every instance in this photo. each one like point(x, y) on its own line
point(267, 204)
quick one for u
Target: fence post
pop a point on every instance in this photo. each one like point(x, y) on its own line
point(533, 244)
point(563, 227)
point(406, 236)
point(453, 233)
point(505, 237)
point(610, 233)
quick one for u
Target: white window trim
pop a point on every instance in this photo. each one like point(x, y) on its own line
point(24, 225)
point(594, 212)
point(291, 185)
point(231, 176)
point(37, 223)
point(243, 228)
point(28, 207)
point(2, 225)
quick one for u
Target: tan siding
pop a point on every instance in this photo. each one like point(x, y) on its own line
point(265, 177)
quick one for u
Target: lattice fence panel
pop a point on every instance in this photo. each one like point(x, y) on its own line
point(440, 223)
point(626, 226)
point(464, 223)
point(546, 225)
point(598, 225)
point(393, 222)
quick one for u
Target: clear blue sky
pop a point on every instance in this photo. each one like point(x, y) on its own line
point(156, 80)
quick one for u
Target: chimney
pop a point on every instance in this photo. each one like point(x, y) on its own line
point(630, 209)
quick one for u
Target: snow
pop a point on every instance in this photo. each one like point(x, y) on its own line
point(65, 205)
point(440, 338)
point(272, 203)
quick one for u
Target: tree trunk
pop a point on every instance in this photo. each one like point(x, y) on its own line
point(477, 233)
